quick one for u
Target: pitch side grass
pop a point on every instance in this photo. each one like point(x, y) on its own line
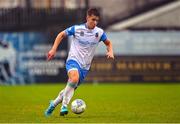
point(106, 103)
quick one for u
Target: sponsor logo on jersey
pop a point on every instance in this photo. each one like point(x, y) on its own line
point(96, 35)
point(81, 33)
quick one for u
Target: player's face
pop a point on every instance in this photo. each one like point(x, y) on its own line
point(92, 21)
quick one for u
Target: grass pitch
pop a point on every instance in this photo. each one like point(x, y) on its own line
point(106, 103)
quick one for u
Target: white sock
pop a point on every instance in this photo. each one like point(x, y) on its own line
point(59, 98)
point(68, 93)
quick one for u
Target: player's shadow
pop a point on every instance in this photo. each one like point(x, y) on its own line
point(81, 116)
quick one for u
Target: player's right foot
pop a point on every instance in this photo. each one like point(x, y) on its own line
point(64, 111)
point(50, 109)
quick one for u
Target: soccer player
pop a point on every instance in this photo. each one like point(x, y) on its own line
point(86, 37)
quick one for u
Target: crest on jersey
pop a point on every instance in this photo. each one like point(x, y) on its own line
point(96, 35)
point(81, 33)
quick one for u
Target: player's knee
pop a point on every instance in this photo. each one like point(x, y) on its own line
point(74, 79)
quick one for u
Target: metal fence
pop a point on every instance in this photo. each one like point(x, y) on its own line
point(24, 19)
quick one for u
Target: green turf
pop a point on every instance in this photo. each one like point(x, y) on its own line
point(105, 103)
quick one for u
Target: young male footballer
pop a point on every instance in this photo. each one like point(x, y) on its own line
point(86, 38)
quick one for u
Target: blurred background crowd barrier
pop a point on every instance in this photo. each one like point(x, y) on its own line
point(144, 33)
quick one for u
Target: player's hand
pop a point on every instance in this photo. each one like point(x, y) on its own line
point(51, 54)
point(110, 55)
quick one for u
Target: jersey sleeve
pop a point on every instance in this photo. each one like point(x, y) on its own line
point(103, 37)
point(70, 31)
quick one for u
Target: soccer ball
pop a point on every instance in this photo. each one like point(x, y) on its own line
point(78, 106)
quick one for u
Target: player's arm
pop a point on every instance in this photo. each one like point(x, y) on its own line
point(57, 41)
point(109, 53)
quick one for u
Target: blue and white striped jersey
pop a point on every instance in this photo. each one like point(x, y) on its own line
point(84, 43)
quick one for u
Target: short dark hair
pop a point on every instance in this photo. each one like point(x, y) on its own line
point(93, 11)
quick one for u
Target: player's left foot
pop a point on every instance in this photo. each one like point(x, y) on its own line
point(64, 111)
point(50, 109)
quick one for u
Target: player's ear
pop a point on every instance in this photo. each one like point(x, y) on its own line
point(87, 17)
